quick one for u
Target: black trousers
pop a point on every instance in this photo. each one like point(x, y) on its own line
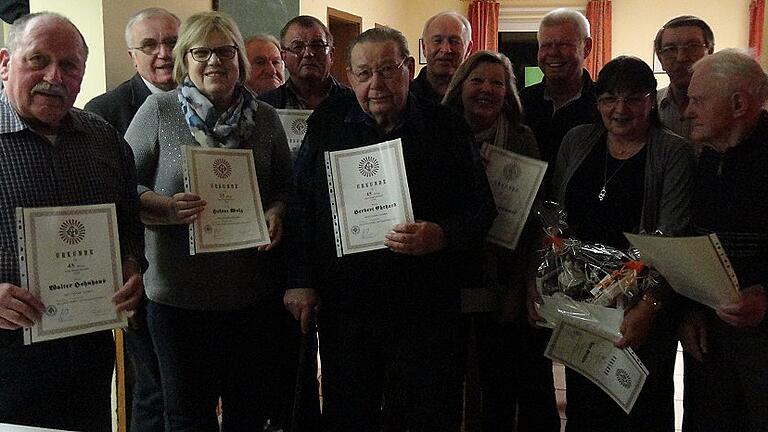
point(390, 368)
point(60, 384)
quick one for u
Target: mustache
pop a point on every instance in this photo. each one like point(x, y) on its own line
point(51, 89)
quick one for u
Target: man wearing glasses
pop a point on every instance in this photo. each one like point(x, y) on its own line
point(307, 48)
point(151, 35)
point(679, 44)
point(389, 318)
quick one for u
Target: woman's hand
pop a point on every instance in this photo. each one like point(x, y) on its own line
point(512, 304)
point(274, 217)
point(636, 325)
point(183, 208)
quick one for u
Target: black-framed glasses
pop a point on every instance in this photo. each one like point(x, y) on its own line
point(152, 46)
point(316, 48)
point(670, 51)
point(203, 54)
point(631, 101)
point(386, 71)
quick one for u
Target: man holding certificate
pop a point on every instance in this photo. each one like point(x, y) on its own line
point(726, 389)
point(389, 316)
point(54, 156)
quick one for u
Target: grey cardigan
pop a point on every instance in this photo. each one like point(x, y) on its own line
point(214, 281)
point(668, 175)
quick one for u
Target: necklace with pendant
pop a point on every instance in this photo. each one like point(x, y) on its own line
point(606, 179)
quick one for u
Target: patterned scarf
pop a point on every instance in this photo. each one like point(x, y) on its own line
point(229, 128)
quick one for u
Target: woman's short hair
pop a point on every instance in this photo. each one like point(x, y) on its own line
point(511, 108)
point(196, 30)
point(628, 75)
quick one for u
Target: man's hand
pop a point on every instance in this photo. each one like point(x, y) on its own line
point(531, 300)
point(301, 303)
point(747, 312)
point(636, 326)
point(274, 217)
point(693, 334)
point(18, 308)
point(419, 238)
point(128, 297)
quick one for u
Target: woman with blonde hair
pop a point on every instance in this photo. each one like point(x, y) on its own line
point(212, 316)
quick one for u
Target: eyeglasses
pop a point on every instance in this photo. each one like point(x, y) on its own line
point(386, 72)
point(152, 46)
point(316, 48)
point(631, 101)
point(203, 54)
point(671, 51)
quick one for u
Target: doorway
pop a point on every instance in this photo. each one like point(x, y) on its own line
point(344, 27)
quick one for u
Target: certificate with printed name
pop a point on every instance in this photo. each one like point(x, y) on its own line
point(295, 124)
point(515, 181)
point(369, 195)
point(590, 352)
point(69, 257)
point(233, 217)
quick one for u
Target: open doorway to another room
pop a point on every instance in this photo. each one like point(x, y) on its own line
point(344, 27)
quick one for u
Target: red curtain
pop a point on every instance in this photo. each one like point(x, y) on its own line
point(756, 24)
point(484, 17)
point(599, 16)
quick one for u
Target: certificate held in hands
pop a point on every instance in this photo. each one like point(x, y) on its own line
point(69, 257)
point(514, 181)
point(295, 125)
point(369, 195)
point(233, 218)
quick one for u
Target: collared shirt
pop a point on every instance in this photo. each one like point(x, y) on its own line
point(88, 164)
point(670, 114)
point(447, 186)
point(421, 87)
point(152, 88)
point(285, 96)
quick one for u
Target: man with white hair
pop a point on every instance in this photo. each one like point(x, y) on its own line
point(446, 41)
point(150, 35)
point(54, 155)
point(727, 388)
point(267, 66)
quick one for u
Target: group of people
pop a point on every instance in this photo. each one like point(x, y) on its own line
point(393, 324)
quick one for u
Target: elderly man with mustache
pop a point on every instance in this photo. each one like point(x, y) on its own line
point(54, 155)
point(446, 41)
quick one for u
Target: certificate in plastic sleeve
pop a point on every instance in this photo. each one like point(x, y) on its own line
point(69, 257)
point(233, 217)
point(369, 195)
point(514, 181)
point(295, 124)
point(590, 352)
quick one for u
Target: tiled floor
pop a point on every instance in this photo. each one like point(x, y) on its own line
point(559, 373)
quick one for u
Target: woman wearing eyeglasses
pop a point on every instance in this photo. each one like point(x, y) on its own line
point(627, 174)
point(212, 316)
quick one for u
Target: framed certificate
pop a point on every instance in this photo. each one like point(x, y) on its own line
point(514, 181)
point(233, 218)
point(295, 124)
point(369, 195)
point(69, 257)
point(590, 352)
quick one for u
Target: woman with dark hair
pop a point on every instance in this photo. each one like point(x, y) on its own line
point(626, 174)
point(515, 378)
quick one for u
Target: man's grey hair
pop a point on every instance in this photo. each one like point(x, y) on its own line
point(380, 35)
point(142, 15)
point(18, 29)
point(264, 38)
point(562, 16)
point(734, 70)
point(466, 34)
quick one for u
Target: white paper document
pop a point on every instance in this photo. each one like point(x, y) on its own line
point(233, 217)
point(369, 195)
point(69, 257)
point(558, 307)
point(618, 372)
point(695, 267)
point(514, 181)
point(295, 125)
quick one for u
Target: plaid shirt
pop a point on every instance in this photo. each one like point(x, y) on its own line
point(88, 164)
